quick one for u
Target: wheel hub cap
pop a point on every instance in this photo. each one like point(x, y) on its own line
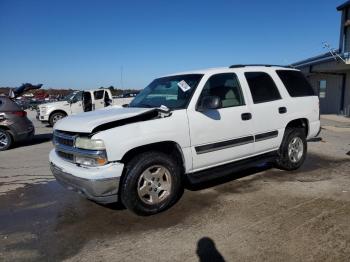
point(56, 118)
point(154, 184)
point(295, 149)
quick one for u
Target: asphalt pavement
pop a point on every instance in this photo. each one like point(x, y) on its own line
point(262, 214)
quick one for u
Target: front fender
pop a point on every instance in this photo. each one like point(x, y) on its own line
point(122, 139)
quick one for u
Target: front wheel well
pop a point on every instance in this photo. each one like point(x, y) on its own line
point(58, 111)
point(168, 147)
point(299, 123)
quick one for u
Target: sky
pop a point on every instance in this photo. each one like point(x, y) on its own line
point(89, 43)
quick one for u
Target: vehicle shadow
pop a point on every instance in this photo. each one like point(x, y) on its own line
point(304, 174)
point(227, 178)
point(36, 139)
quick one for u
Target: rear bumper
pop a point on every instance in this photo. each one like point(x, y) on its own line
point(25, 135)
point(100, 184)
point(314, 129)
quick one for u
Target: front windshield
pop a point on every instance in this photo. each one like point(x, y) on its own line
point(174, 92)
point(77, 96)
point(69, 96)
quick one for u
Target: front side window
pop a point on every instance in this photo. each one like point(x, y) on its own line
point(77, 97)
point(174, 92)
point(262, 87)
point(323, 87)
point(295, 83)
point(225, 86)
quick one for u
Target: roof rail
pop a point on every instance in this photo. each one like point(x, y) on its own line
point(240, 65)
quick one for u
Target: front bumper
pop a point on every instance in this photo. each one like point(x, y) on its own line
point(314, 129)
point(27, 135)
point(100, 184)
point(43, 118)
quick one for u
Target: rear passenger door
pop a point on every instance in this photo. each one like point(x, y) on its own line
point(268, 111)
point(99, 99)
point(221, 135)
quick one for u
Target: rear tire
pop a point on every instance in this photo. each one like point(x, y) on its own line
point(292, 152)
point(152, 183)
point(6, 140)
point(55, 117)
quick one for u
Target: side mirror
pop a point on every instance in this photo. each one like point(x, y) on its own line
point(209, 102)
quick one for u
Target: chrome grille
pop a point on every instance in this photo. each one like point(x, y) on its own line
point(67, 156)
point(65, 147)
point(66, 140)
point(60, 138)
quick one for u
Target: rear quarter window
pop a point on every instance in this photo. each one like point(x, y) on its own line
point(295, 83)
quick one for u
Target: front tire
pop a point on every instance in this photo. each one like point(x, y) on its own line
point(292, 152)
point(6, 140)
point(55, 117)
point(152, 183)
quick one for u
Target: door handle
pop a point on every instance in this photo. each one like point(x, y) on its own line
point(246, 116)
point(282, 110)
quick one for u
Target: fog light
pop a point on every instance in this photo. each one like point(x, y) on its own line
point(89, 161)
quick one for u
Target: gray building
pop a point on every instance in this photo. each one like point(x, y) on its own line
point(329, 73)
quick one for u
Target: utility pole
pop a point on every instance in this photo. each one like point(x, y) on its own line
point(121, 77)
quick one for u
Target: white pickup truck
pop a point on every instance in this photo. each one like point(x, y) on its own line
point(78, 102)
point(190, 126)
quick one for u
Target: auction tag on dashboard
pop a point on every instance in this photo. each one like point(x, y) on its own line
point(184, 86)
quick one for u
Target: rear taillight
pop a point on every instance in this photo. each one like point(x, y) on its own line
point(19, 113)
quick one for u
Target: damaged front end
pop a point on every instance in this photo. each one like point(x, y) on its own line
point(154, 113)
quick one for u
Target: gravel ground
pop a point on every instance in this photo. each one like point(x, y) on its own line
point(262, 214)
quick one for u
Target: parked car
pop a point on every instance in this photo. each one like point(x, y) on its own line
point(14, 124)
point(76, 102)
point(192, 126)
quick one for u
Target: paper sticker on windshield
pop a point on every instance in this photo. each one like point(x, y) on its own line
point(184, 86)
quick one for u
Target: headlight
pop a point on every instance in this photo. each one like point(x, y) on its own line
point(90, 161)
point(43, 110)
point(91, 144)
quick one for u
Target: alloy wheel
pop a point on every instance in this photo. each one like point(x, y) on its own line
point(154, 185)
point(295, 149)
point(3, 140)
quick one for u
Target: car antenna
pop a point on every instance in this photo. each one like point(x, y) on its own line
point(333, 52)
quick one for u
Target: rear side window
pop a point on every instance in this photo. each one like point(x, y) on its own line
point(262, 87)
point(295, 83)
point(1, 102)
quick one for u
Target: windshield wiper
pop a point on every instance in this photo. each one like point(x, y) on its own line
point(145, 105)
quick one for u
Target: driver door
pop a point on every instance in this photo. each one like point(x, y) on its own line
point(77, 103)
point(221, 135)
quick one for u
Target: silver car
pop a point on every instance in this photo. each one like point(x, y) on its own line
point(14, 124)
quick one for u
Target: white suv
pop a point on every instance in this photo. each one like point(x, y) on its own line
point(189, 126)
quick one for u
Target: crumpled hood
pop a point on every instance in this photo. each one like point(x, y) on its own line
point(87, 122)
